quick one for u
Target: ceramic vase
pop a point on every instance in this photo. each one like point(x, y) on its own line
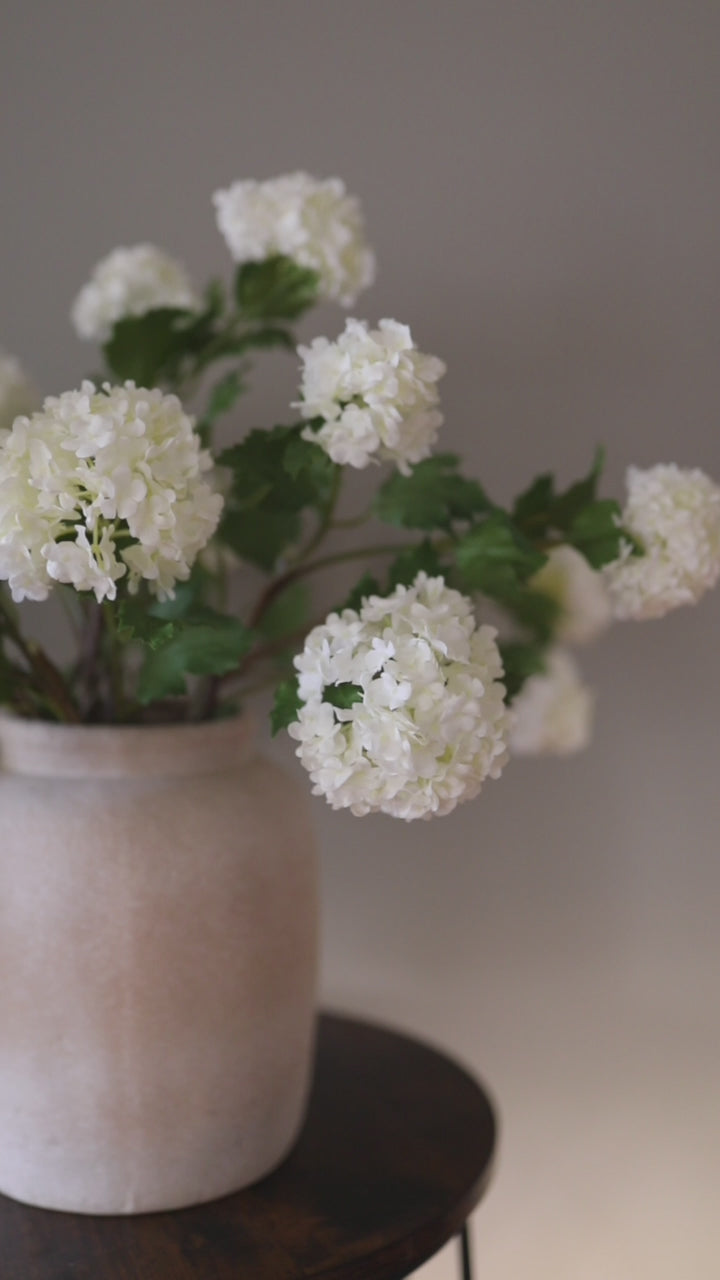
point(158, 937)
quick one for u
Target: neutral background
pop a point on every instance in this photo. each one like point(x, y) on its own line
point(541, 182)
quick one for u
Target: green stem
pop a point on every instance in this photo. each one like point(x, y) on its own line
point(50, 682)
point(114, 659)
point(353, 522)
point(326, 519)
point(279, 584)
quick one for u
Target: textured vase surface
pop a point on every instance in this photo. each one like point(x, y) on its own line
point(158, 927)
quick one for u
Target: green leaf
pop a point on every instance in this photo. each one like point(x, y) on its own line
point(214, 298)
point(343, 695)
point(207, 644)
point(367, 586)
point(540, 511)
point(276, 288)
point(532, 508)
point(276, 474)
point(311, 467)
point(287, 705)
point(142, 348)
point(222, 398)
point(568, 506)
point(408, 564)
point(520, 661)
point(259, 534)
point(137, 624)
point(433, 496)
point(597, 533)
point(497, 560)
point(496, 552)
point(175, 607)
point(536, 612)
point(287, 614)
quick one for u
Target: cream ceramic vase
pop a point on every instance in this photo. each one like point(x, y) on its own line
point(158, 932)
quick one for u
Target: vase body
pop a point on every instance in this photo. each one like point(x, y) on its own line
point(158, 933)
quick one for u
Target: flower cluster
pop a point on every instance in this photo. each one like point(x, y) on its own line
point(130, 282)
point(99, 485)
point(553, 713)
point(579, 590)
point(376, 394)
point(315, 223)
point(17, 394)
point(675, 516)
point(402, 710)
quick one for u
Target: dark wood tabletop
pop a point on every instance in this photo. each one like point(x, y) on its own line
point(395, 1153)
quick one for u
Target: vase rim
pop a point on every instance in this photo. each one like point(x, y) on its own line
point(41, 748)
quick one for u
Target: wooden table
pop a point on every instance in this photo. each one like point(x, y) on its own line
point(395, 1153)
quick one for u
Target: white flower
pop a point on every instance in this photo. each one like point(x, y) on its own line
point(17, 394)
point(430, 723)
point(552, 714)
point(376, 393)
point(675, 515)
point(580, 591)
point(103, 485)
point(315, 223)
point(129, 282)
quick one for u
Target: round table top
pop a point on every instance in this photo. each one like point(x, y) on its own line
point(395, 1153)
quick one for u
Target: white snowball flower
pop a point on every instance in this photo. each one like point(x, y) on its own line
point(376, 393)
point(553, 712)
point(579, 590)
point(100, 485)
point(17, 394)
point(130, 282)
point(675, 515)
point(430, 724)
point(313, 222)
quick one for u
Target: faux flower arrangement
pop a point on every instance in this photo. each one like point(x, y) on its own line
point(402, 700)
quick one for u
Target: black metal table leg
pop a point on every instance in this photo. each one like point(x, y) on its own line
point(465, 1256)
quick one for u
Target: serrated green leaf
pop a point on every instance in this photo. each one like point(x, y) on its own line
point(222, 398)
point(494, 558)
point(433, 496)
point(286, 706)
point(276, 288)
point(214, 296)
point(568, 505)
point(534, 611)
point(142, 348)
point(520, 661)
point(597, 533)
point(367, 586)
point(533, 507)
point(276, 475)
point(135, 623)
point(175, 607)
point(209, 644)
point(408, 564)
point(496, 551)
point(343, 695)
point(539, 511)
point(287, 614)
point(259, 535)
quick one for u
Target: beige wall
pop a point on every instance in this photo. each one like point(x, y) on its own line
point(541, 181)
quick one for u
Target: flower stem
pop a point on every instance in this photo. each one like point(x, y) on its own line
point(49, 681)
point(114, 659)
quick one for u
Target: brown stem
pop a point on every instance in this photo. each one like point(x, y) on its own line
point(50, 682)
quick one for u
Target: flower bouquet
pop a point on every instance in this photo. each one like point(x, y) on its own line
point(402, 700)
point(160, 917)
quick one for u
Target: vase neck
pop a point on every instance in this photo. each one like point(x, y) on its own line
point(40, 749)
